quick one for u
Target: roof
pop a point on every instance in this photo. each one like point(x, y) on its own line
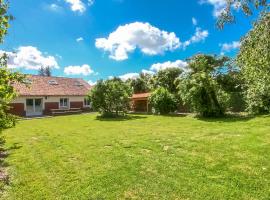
point(141, 95)
point(52, 86)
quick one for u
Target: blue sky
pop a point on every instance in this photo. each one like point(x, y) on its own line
point(94, 39)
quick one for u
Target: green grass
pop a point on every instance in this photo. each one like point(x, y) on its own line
point(142, 157)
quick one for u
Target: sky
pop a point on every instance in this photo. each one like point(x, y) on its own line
point(98, 39)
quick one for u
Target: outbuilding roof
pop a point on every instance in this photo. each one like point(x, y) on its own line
point(141, 95)
point(52, 86)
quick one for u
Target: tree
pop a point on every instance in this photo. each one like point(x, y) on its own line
point(227, 16)
point(140, 84)
point(7, 77)
point(110, 97)
point(254, 61)
point(231, 82)
point(44, 71)
point(199, 89)
point(163, 101)
point(166, 78)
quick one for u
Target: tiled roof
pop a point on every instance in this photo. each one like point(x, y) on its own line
point(52, 86)
point(141, 95)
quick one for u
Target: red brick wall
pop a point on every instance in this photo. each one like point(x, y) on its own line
point(49, 106)
point(17, 109)
point(76, 104)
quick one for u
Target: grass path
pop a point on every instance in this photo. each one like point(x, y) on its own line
point(144, 157)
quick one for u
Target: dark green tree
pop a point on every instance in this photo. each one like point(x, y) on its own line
point(140, 84)
point(199, 88)
point(166, 78)
point(110, 97)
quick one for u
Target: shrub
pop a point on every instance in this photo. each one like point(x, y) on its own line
point(163, 101)
point(110, 97)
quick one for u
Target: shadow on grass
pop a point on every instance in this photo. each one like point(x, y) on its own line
point(4, 153)
point(121, 118)
point(227, 118)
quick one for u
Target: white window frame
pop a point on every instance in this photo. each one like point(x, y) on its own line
point(63, 106)
point(85, 105)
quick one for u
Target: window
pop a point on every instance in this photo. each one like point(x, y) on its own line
point(52, 82)
point(86, 102)
point(64, 102)
point(78, 83)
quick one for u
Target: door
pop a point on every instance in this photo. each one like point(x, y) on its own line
point(33, 107)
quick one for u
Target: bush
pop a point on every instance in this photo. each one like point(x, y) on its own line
point(163, 101)
point(110, 97)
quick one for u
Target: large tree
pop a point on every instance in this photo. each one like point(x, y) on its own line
point(254, 62)
point(166, 78)
point(140, 84)
point(7, 77)
point(247, 7)
point(199, 88)
point(110, 97)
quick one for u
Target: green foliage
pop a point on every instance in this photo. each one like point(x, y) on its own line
point(246, 6)
point(163, 101)
point(254, 61)
point(232, 83)
point(199, 88)
point(166, 78)
point(4, 19)
point(110, 97)
point(7, 93)
point(140, 84)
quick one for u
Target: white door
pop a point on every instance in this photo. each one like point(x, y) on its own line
point(33, 107)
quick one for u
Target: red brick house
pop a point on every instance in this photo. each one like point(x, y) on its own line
point(49, 95)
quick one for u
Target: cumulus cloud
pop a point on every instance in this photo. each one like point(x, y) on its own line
point(145, 71)
point(78, 70)
point(227, 47)
point(129, 76)
point(30, 58)
point(194, 21)
point(149, 39)
point(79, 39)
point(79, 5)
point(200, 35)
point(165, 65)
point(92, 82)
point(219, 6)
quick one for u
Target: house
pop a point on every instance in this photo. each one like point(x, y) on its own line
point(42, 95)
point(140, 102)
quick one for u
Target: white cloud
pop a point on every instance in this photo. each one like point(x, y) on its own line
point(161, 66)
point(79, 39)
point(92, 82)
point(194, 21)
point(29, 57)
point(129, 76)
point(54, 7)
point(149, 39)
point(78, 70)
point(76, 5)
point(219, 6)
point(145, 71)
point(200, 35)
point(227, 47)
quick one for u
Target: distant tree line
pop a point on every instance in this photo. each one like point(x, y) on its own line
point(210, 86)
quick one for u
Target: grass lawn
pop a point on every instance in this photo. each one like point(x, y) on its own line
point(143, 157)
